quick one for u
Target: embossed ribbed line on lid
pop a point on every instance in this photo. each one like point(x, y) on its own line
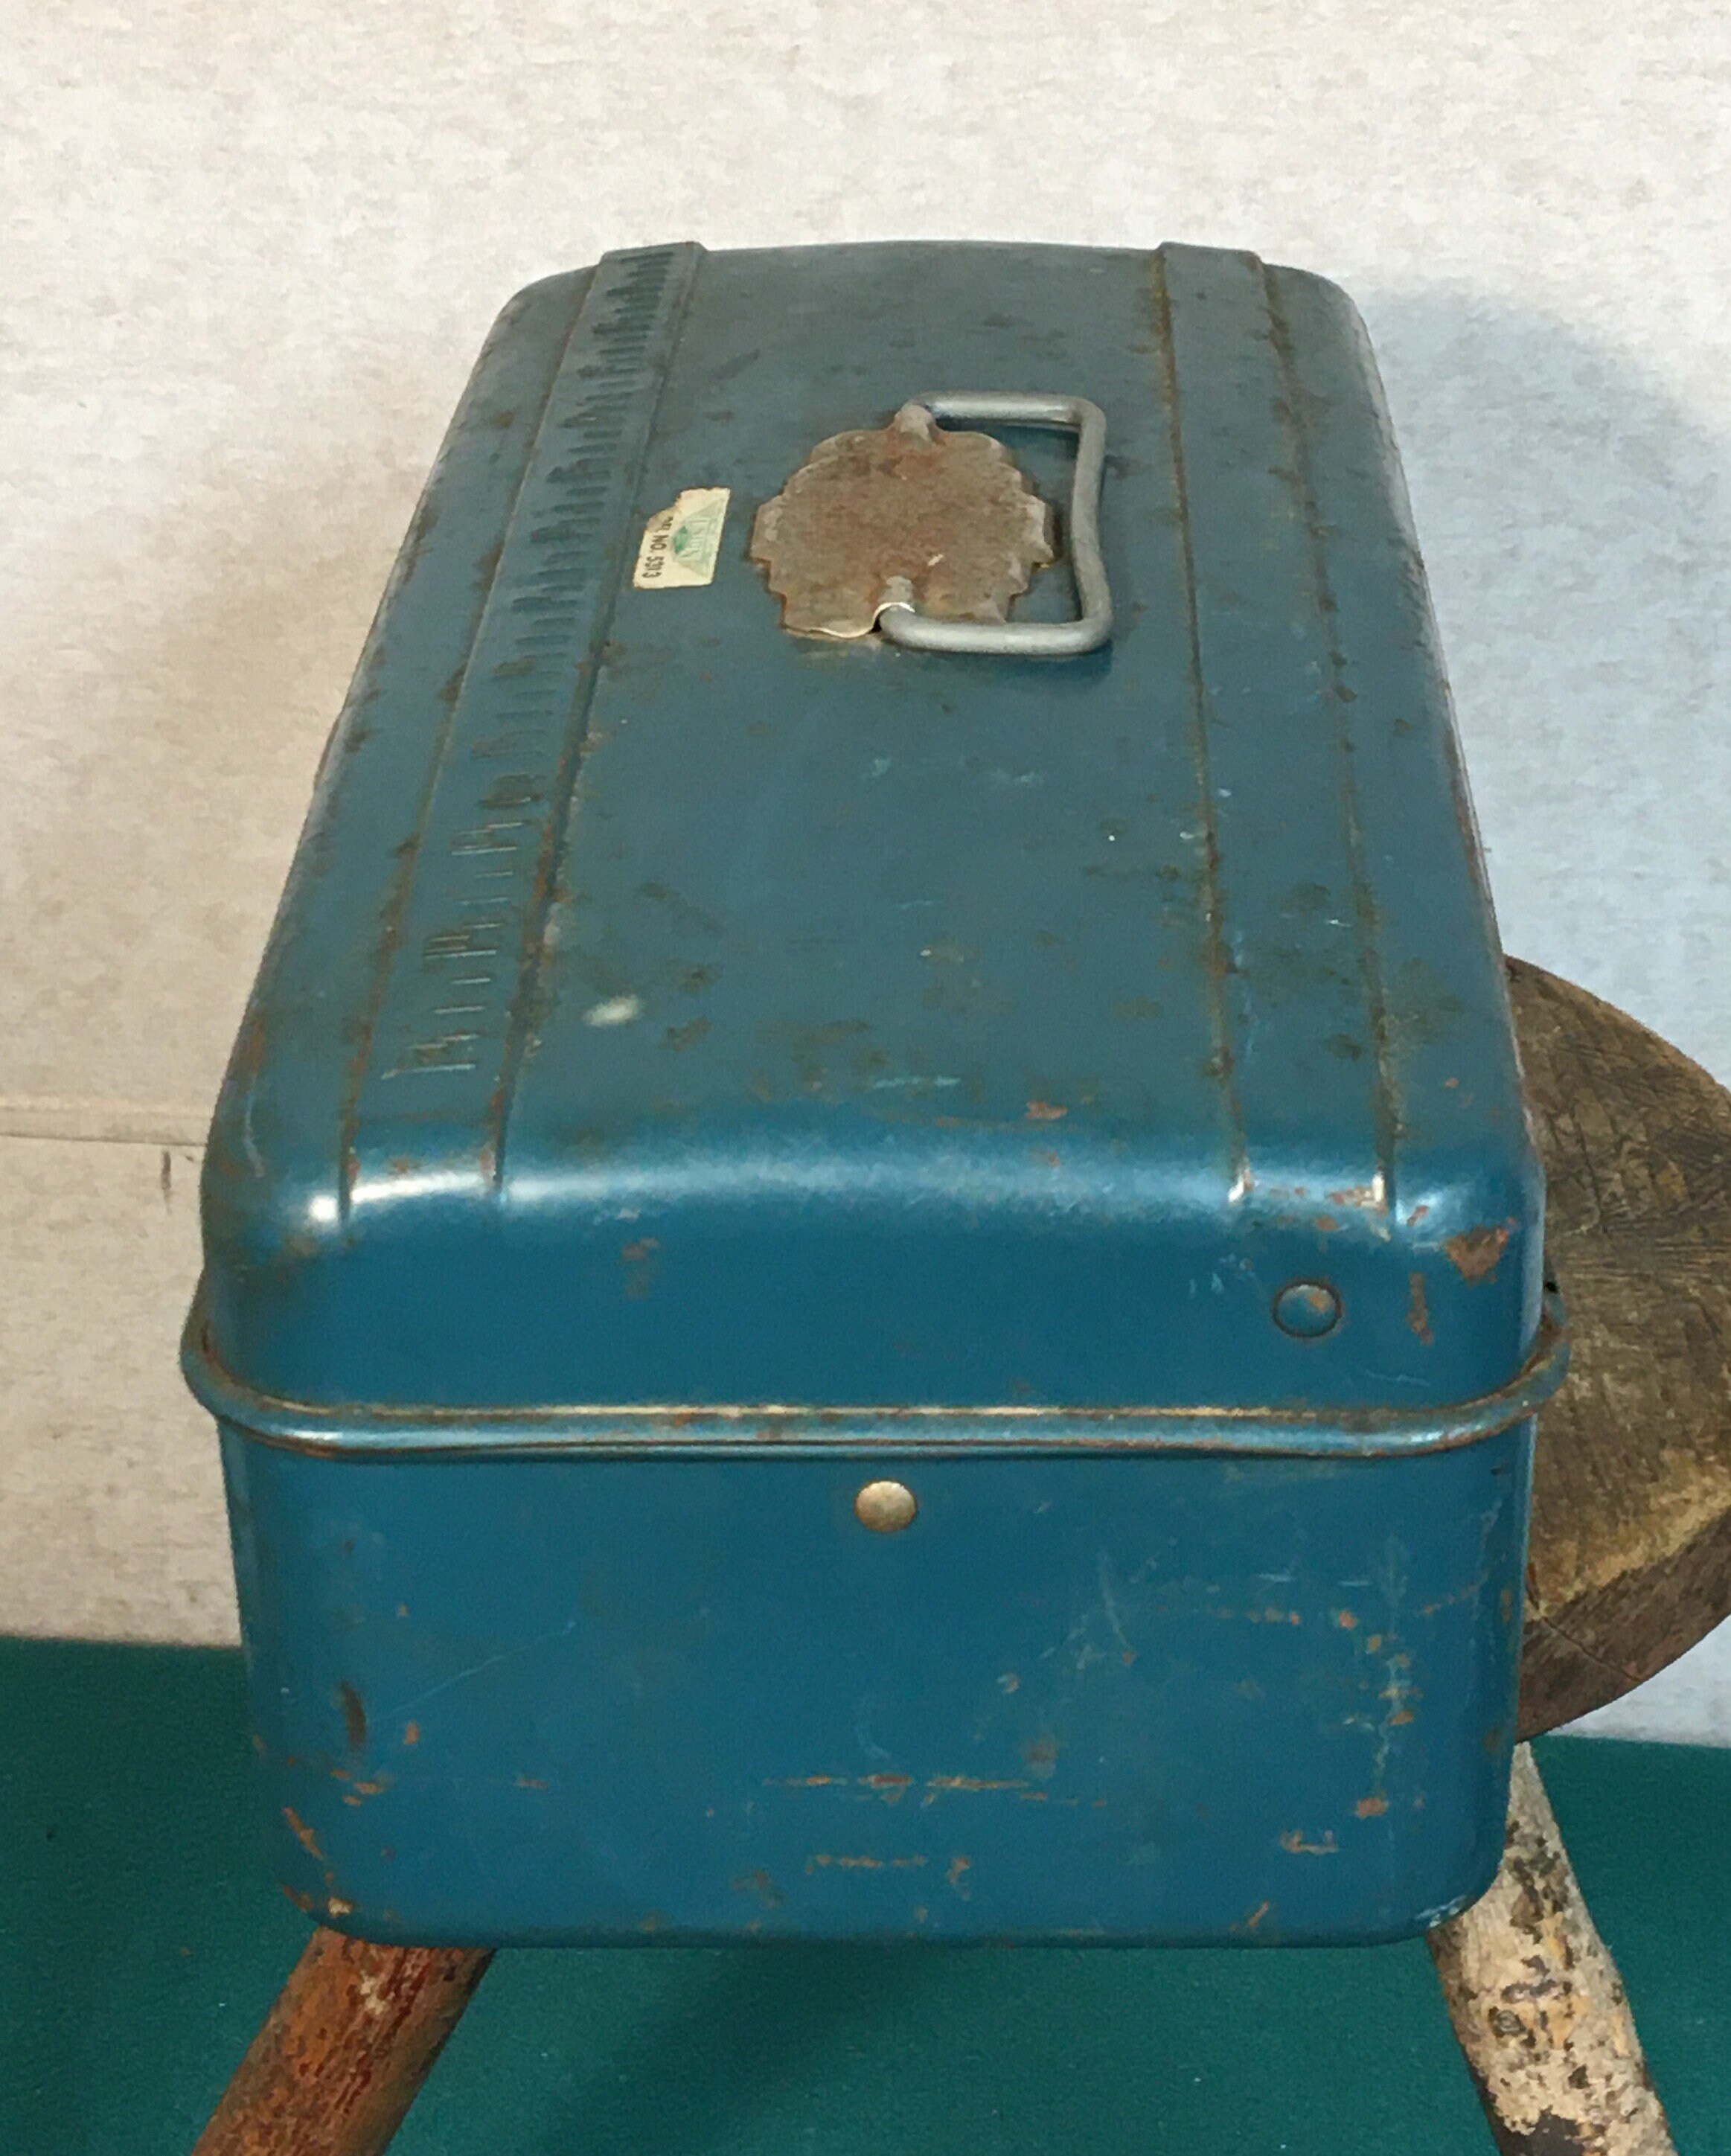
point(1292, 971)
point(458, 954)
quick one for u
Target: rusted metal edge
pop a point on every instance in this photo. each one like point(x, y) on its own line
point(359, 1431)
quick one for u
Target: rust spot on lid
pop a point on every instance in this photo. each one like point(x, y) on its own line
point(1293, 1842)
point(1256, 1915)
point(1041, 1756)
point(411, 1732)
point(762, 1886)
point(639, 1259)
point(354, 1716)
point(972, 1782)
point(954, 1876)
point(1346, 1619)
point(1418, 1313)
point(1475, 1252)
point(825, 1861)
point(1372, 1807)
point(1046, 1111)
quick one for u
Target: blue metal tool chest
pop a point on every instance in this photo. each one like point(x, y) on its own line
point(867, 1291)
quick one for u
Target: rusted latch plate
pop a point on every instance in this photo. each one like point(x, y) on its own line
point(909, 515)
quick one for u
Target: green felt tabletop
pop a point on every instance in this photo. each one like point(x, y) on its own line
point(140, 1941)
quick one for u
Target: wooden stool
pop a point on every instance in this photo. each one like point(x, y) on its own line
point(1630, 1564)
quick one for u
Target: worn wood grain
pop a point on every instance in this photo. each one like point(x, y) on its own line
point(1630, 1553)
point(353, 2035)
point(1538, 2007)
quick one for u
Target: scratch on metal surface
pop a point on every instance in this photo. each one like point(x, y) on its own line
point(491, 1662)
point(304, 1835)
point(893, 1787)
point(249, 1142)
point(1108, 1603)
point(1397, 1691)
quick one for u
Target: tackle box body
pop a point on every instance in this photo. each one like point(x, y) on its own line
point(870, 1293)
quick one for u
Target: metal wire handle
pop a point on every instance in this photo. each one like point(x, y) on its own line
point(904, 624)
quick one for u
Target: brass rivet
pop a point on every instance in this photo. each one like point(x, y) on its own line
point(884, 1508)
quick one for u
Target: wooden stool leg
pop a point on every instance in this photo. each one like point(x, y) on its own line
point(1537, 2005)
point(353, 2035)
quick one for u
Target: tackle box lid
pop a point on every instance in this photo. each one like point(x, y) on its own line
point(674, 1016)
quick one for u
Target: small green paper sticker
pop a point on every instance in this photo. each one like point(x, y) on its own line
point(681, 545)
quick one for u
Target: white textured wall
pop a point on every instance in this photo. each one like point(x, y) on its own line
point(250, 254)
